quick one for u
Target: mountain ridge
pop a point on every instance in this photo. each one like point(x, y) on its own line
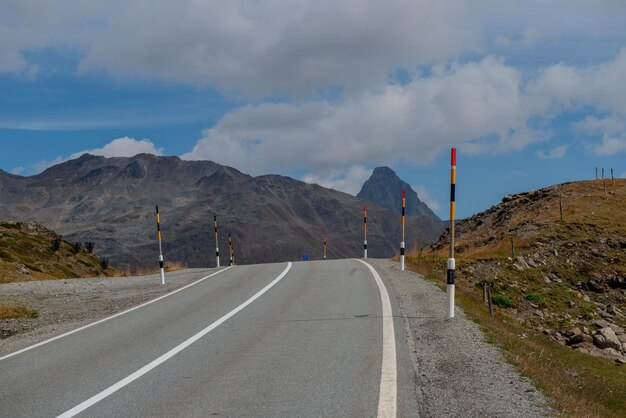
point(111, 201)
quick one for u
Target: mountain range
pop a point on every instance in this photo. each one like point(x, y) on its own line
point(111, 202)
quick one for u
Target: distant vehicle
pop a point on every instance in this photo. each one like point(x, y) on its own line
point(305, 257)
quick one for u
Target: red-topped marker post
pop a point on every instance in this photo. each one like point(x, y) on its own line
point(402, 243)
point(365, 231)
point(158, 222)
point(451, 261)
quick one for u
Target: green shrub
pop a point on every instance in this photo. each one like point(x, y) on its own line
point(534, 297)
point(502, 301)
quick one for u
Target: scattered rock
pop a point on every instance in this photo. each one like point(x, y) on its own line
point(572, 332)
point(601, 323)
point(606, 338)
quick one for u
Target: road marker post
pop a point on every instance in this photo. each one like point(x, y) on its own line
point(231, 251)
point(451, 260)
point(365, 231)
point(402, 243)
point(217, 245)
point(158, 222)
point(324, 245)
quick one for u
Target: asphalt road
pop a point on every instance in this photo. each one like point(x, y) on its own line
point(307, 344)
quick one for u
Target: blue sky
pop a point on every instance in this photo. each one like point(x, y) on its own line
point(532, 93)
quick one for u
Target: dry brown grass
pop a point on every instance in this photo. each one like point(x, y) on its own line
point(7, 312)
point(149, 271)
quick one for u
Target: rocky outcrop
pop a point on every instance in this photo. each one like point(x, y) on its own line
point(384, 188)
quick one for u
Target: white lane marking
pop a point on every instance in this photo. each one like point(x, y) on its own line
point(112, 316)
point(155, 363)
point(387, 397)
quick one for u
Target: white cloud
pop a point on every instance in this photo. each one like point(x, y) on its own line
point(120, 147)
point(17, 170)
point(477, 103)
point(612, 130)
point(554, 153)
point(424, 195)
point(123, 147)
point(348, 180)
point(481, 107)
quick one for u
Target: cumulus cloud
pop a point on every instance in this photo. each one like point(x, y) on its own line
point(478, 103)
point(120, 147)
point(554, 153)
point(424, 195)
point(349, 180)
point(482, 107)
point(612, 131)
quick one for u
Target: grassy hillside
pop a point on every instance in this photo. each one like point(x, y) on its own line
point(29, 251)
point(564, 286)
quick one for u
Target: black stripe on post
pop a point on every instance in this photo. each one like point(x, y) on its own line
point(450, 276)
point(452, 192)
point(365, 246)
point(161, 264)
point(401, 251)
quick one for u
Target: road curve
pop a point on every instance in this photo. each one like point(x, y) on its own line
point(310, 345)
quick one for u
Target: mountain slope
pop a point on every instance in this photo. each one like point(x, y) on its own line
point(111, 201)
point(568, 278)
point(384, 188)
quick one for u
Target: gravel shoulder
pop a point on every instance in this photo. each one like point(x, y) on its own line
point(67, 304)
point(457, 373)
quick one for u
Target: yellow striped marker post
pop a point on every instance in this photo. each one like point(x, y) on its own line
point(158, 221)
point(365, 231)
point(402, 243)
point(217, 246)
point(230, 249)
point(451, 261)
point(324, 245)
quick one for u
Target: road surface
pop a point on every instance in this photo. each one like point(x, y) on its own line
point(301, 339)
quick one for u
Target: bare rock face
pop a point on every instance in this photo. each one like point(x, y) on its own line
point(384, 188)
point(111, 202)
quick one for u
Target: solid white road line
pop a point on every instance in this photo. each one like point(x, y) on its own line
point(387, 397)
point(155, 363)
point(112, 316)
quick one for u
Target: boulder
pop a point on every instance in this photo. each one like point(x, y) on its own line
point(580, 338)
point(616, 329)
point(601, 323)
point(572, 332)
point(599, 340)
point(606, 338)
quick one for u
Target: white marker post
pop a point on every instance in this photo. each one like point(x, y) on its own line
point(158, 220)
point(451, 260)
point(217, 246)
point(365, 231)
point(402, 243)
point(324, 245)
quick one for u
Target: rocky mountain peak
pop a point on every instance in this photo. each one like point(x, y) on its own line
point(384, 188)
